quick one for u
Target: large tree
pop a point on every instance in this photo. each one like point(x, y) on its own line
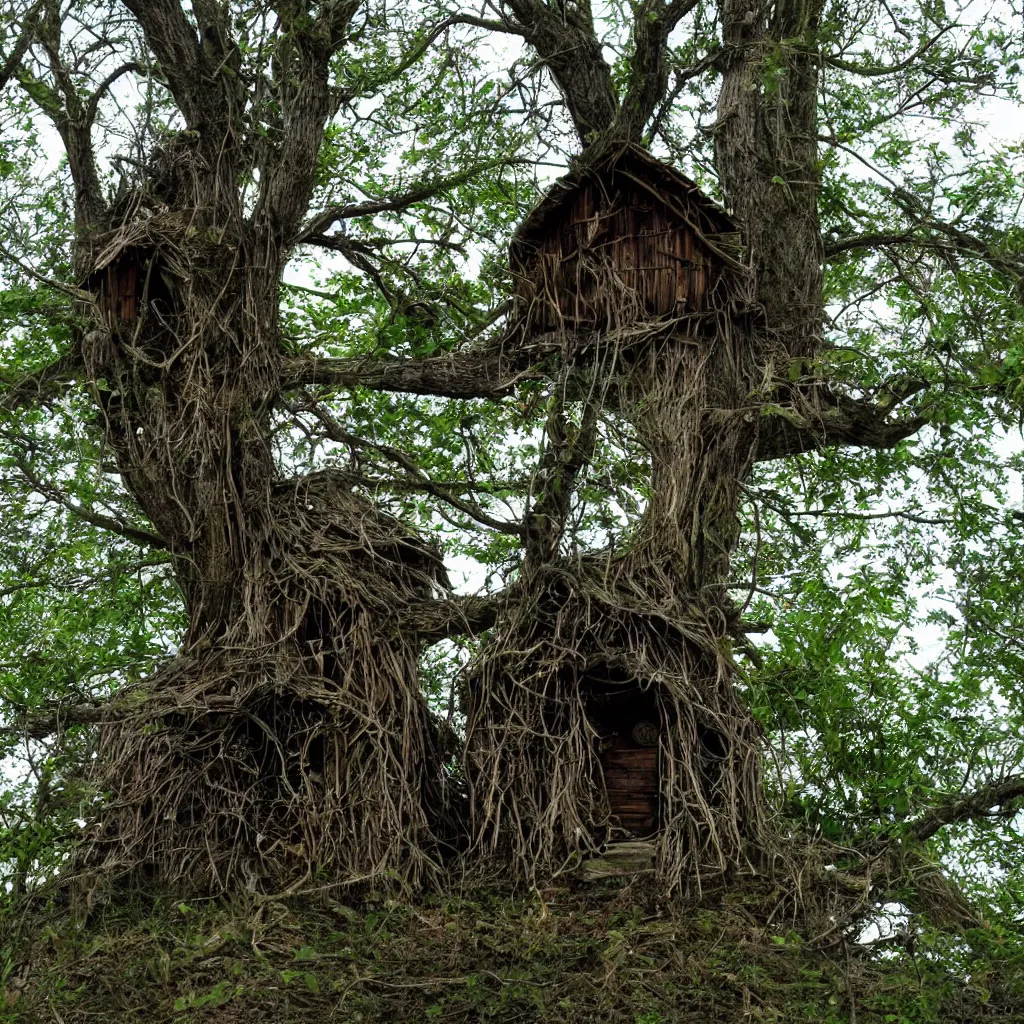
point(264, 332)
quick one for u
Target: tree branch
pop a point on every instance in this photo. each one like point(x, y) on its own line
point(880, 70)
point(104, 87)
point(42, 386)
point(53, 493)
point(335, 432)
point(653, 21)
point(38, 727)
point(785, 432)
point(419, 50)
point(566, 452)
point(21, 44)
point(487, 373)
point(1002, 799)
point(63, 105)
point(563, 36)
point(417, 193)
point(952, 241)
point(301, 71)
point(176, 46)
point(434, 621)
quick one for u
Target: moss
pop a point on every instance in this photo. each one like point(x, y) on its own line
point(595, 954)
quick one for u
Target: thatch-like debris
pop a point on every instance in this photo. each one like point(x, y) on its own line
point(652, 624)
point(297, 746)
point(539, 799)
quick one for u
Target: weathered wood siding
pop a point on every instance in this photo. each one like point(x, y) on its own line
point(602, 252)
point(631, 781)
point(117, 289)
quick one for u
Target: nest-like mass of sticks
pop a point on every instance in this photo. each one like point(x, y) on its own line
point(298, 743)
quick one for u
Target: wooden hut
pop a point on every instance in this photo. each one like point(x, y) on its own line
point(627, 239)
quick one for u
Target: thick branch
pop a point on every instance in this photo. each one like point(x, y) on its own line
point(564, 38)
point(63, 105)
point(176, 46)
point(301, 67)
point(434, 621)
point(38, 727)
point(653, 21)
point(784, 432)
point(567, 450)
point(1002, 799)
point(471, 374)
point(766, 154)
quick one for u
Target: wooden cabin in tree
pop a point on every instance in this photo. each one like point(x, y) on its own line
point(625, 244)
point(627, 239)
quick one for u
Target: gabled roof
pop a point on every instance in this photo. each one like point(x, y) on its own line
point(665, 184)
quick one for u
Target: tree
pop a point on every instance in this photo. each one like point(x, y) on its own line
point(285, 454)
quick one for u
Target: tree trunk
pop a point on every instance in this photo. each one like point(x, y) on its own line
point(766, 152)
point(289, 734)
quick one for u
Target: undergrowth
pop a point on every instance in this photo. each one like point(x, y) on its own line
point(571, 955)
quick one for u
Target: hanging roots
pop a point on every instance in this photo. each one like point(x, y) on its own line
point(562, 677)
point(299, 745)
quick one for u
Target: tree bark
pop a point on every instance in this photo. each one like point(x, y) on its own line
point(766, 154)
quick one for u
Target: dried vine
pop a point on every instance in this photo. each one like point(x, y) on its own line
point(650, 625)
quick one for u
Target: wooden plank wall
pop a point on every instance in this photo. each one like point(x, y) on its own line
point(596, 243)
point(631, 781)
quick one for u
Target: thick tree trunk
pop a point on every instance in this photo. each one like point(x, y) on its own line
point(289, 734)
point(656, 620)
point(766, 152)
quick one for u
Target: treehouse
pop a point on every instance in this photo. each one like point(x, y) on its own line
point(629, 239)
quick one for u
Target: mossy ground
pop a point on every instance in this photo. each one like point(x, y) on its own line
point(601, 952)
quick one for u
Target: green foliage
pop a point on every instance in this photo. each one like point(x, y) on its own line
point(488, 955)
point(889, 583)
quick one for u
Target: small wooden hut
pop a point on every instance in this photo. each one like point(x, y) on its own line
point(626, 239)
